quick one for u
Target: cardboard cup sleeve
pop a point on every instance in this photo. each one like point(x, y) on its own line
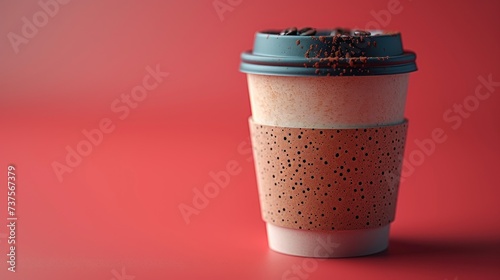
point(328, 179)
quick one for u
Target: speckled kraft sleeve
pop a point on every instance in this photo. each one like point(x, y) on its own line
point(328, 179)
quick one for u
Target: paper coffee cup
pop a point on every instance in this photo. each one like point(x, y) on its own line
point(328, 132)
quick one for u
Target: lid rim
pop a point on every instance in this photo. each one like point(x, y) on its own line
point(322, 72)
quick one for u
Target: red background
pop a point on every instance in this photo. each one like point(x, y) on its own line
point(119, 208)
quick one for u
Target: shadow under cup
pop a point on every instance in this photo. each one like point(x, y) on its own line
point(328, 150)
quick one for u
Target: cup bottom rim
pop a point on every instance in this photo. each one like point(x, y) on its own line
point(328, 244)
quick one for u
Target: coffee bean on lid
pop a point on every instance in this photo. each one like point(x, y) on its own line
point(361, 33)
point(289, 31)
point(339, 31)
point(307, 31)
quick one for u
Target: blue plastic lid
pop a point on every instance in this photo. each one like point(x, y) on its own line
point(336, 52)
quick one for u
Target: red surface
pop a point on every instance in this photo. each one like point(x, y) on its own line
point(119, 207)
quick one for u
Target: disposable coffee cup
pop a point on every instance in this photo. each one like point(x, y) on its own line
point(328, 134)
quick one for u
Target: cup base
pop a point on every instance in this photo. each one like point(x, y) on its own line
point(327, 244)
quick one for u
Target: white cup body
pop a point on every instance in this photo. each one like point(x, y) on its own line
point(328, 102)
